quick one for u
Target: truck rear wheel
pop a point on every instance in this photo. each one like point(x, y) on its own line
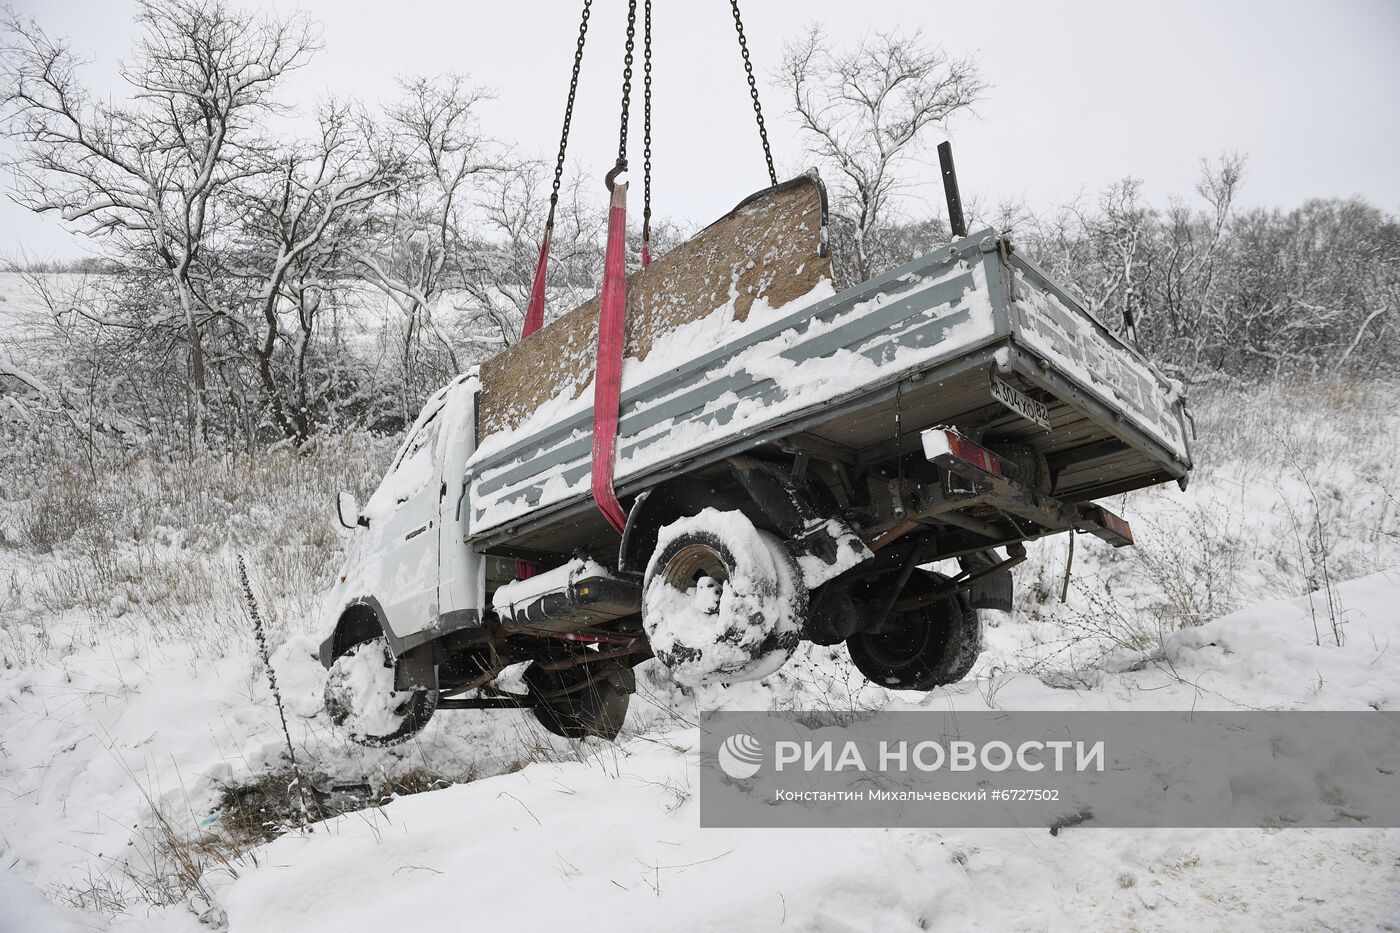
point(923, 648)
point(721, 600)
point(360, 697)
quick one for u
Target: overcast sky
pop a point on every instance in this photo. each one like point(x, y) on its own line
point(1082, 93)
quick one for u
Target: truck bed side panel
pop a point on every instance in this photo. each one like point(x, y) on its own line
point(1048, 323)
point(813, 357)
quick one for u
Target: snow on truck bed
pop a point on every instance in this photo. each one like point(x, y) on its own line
point(771, 249)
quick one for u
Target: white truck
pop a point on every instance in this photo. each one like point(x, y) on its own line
point(786, 474)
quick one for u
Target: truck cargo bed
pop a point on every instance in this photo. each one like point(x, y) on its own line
point(856, 374)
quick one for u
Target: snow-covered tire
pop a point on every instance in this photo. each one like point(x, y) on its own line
point(721, 601)
point(597, 709)
point(361, 700)
point(927, 647)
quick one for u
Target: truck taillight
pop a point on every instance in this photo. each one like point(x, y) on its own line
point(942, 445)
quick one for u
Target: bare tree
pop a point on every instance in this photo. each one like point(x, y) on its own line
point(301, 223)
point(1120, 235)
point(866, 110)
point(419, 243)
point(152, 175)
point(1190, 296)
point(497, 271)
point(1218, 295)
point(70, 382)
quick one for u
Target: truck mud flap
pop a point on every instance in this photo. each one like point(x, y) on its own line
point(993, 591)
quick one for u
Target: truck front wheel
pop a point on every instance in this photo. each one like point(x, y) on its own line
point(721, 600)
point(927, 647)
point(360, 697)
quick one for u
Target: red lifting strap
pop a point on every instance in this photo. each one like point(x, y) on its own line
point(534, 312)
point(607, 381)
point(534, 320)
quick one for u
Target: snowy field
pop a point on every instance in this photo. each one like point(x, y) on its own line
point(142, 766)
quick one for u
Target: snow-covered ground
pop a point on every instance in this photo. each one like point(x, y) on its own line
point(130, 696)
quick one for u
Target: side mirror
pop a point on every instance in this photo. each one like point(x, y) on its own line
point(348, 511)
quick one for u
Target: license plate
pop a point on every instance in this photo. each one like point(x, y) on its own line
point(1019, 402)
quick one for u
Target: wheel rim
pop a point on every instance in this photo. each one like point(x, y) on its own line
point(700, 569)
point(928, 628)
point(897, 648)
point(693, 562)
point(722, 600)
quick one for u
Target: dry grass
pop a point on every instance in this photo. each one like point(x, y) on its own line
point(143, 541)
point(1312, 460)
point(259, 811)
point(1193, 562)
point(1293, 492)
point(168, 863)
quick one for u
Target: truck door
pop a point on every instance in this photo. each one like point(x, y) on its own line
point(405, 509)
point(460, 585)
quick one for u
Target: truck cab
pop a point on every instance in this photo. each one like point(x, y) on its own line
point(408, 564)
point(405, 626)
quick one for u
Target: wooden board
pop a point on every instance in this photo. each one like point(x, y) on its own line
point(772, 246)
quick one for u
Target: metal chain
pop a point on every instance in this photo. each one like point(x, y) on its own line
point(626, 88)
point(753, 91)
point(646, 124)
point(569, 111)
